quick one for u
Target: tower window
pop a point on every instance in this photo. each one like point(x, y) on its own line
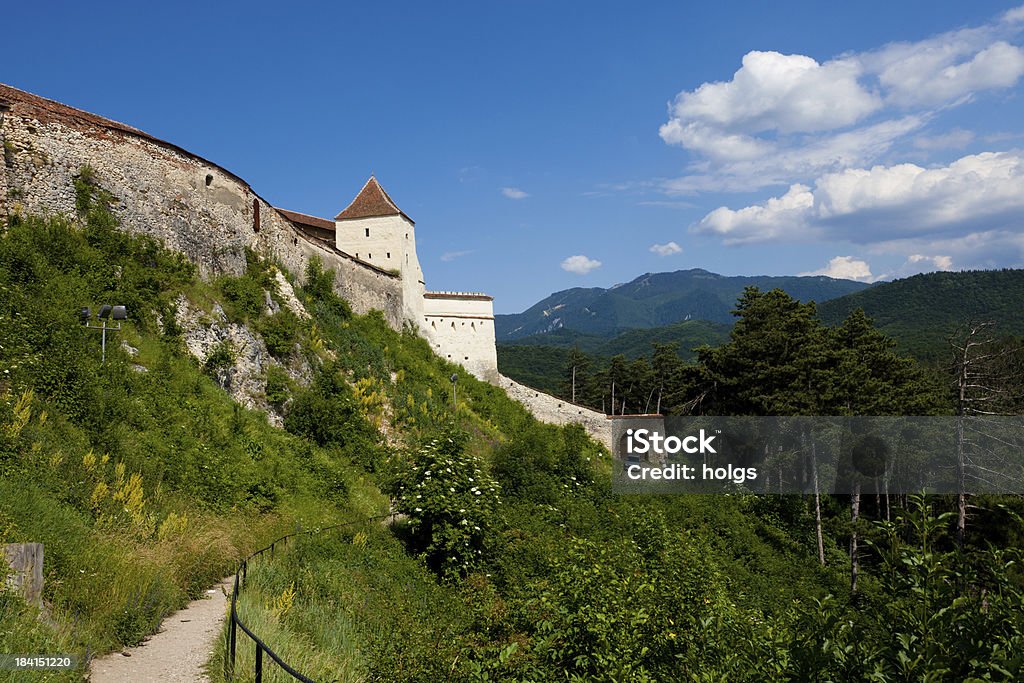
point(389, 254)
point(209, 179)
point(369, 256)
point(367, 232)
point(406, 235)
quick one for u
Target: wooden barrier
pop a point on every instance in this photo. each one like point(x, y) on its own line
point(26, 577)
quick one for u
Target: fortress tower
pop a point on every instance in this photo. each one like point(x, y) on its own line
point(458, 325)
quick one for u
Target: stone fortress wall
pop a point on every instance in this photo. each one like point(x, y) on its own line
point(460, 328)
point(193, 205)
point(548, 408)
point(211, 216)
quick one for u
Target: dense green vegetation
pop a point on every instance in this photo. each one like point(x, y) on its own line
point(923, 311)
point(538, 361)
point(512, 559)
point(654, 300)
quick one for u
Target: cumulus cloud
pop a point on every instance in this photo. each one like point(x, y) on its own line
point(514, 193)
point(778, 218)
point(886, 203)
point(846, 268)
point(773, 91)
point(666, 249)
point(579, 264)
point(783, 118)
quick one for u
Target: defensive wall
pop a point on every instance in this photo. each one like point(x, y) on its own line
point(192, 205)
point(210, 215)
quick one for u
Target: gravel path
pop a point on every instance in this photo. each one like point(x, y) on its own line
point(179, 649)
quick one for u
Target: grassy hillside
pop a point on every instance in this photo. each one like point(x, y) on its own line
point(654, 300)
point(922, 311)
point(143, 479)
point(515, 561)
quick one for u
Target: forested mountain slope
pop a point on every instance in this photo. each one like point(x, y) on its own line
point(921, 312)
point(654, 300)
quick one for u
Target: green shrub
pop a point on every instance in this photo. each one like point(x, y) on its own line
point(280, 332)
point(221, 358)
point(451, 503)
point(277, 391)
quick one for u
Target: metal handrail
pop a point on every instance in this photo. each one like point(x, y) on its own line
point(261, 647)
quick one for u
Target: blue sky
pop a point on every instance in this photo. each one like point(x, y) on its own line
point(547, 145)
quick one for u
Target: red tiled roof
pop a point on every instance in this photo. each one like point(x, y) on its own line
point(371, 202)
point(306, 219)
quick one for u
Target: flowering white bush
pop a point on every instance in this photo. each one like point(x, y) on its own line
point(451, 502)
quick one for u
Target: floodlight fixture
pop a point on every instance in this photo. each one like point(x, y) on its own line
point(106, 312)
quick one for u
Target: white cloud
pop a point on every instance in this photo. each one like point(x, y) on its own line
point(773, 91)
point(1014, 16)
point(937, 262)
point(886, 203)
point(846, 268)
point(581, 265)
point(452, 255)
point(514, 193)
point(785, 118)
point(919, 263)
point(943, 70)
point(779, 217)
point(667, 249)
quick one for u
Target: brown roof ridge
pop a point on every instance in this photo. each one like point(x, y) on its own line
point(306, 219)
point(371, 202)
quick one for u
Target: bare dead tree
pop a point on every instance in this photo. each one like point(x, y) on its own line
point(982, 387)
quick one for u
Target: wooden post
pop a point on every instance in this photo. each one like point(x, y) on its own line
point(26, 563)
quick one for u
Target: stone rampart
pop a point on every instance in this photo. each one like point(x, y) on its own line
point(548, 408)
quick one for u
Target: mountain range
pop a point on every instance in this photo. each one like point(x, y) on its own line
point(656, 299)
point(919, 312)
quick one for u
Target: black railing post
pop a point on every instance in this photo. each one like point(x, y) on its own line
point(234, 627)
point(259, 663)
point(245, 571)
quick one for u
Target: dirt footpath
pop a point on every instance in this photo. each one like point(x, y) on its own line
point(179, 649)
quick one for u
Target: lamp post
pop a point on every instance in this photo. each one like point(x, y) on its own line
point(106, 312)
point(454, 378)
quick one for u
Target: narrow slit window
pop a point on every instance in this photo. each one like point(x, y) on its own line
point(367, 232)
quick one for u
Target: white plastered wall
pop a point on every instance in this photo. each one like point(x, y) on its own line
point(388, 242)
point(460, 328)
